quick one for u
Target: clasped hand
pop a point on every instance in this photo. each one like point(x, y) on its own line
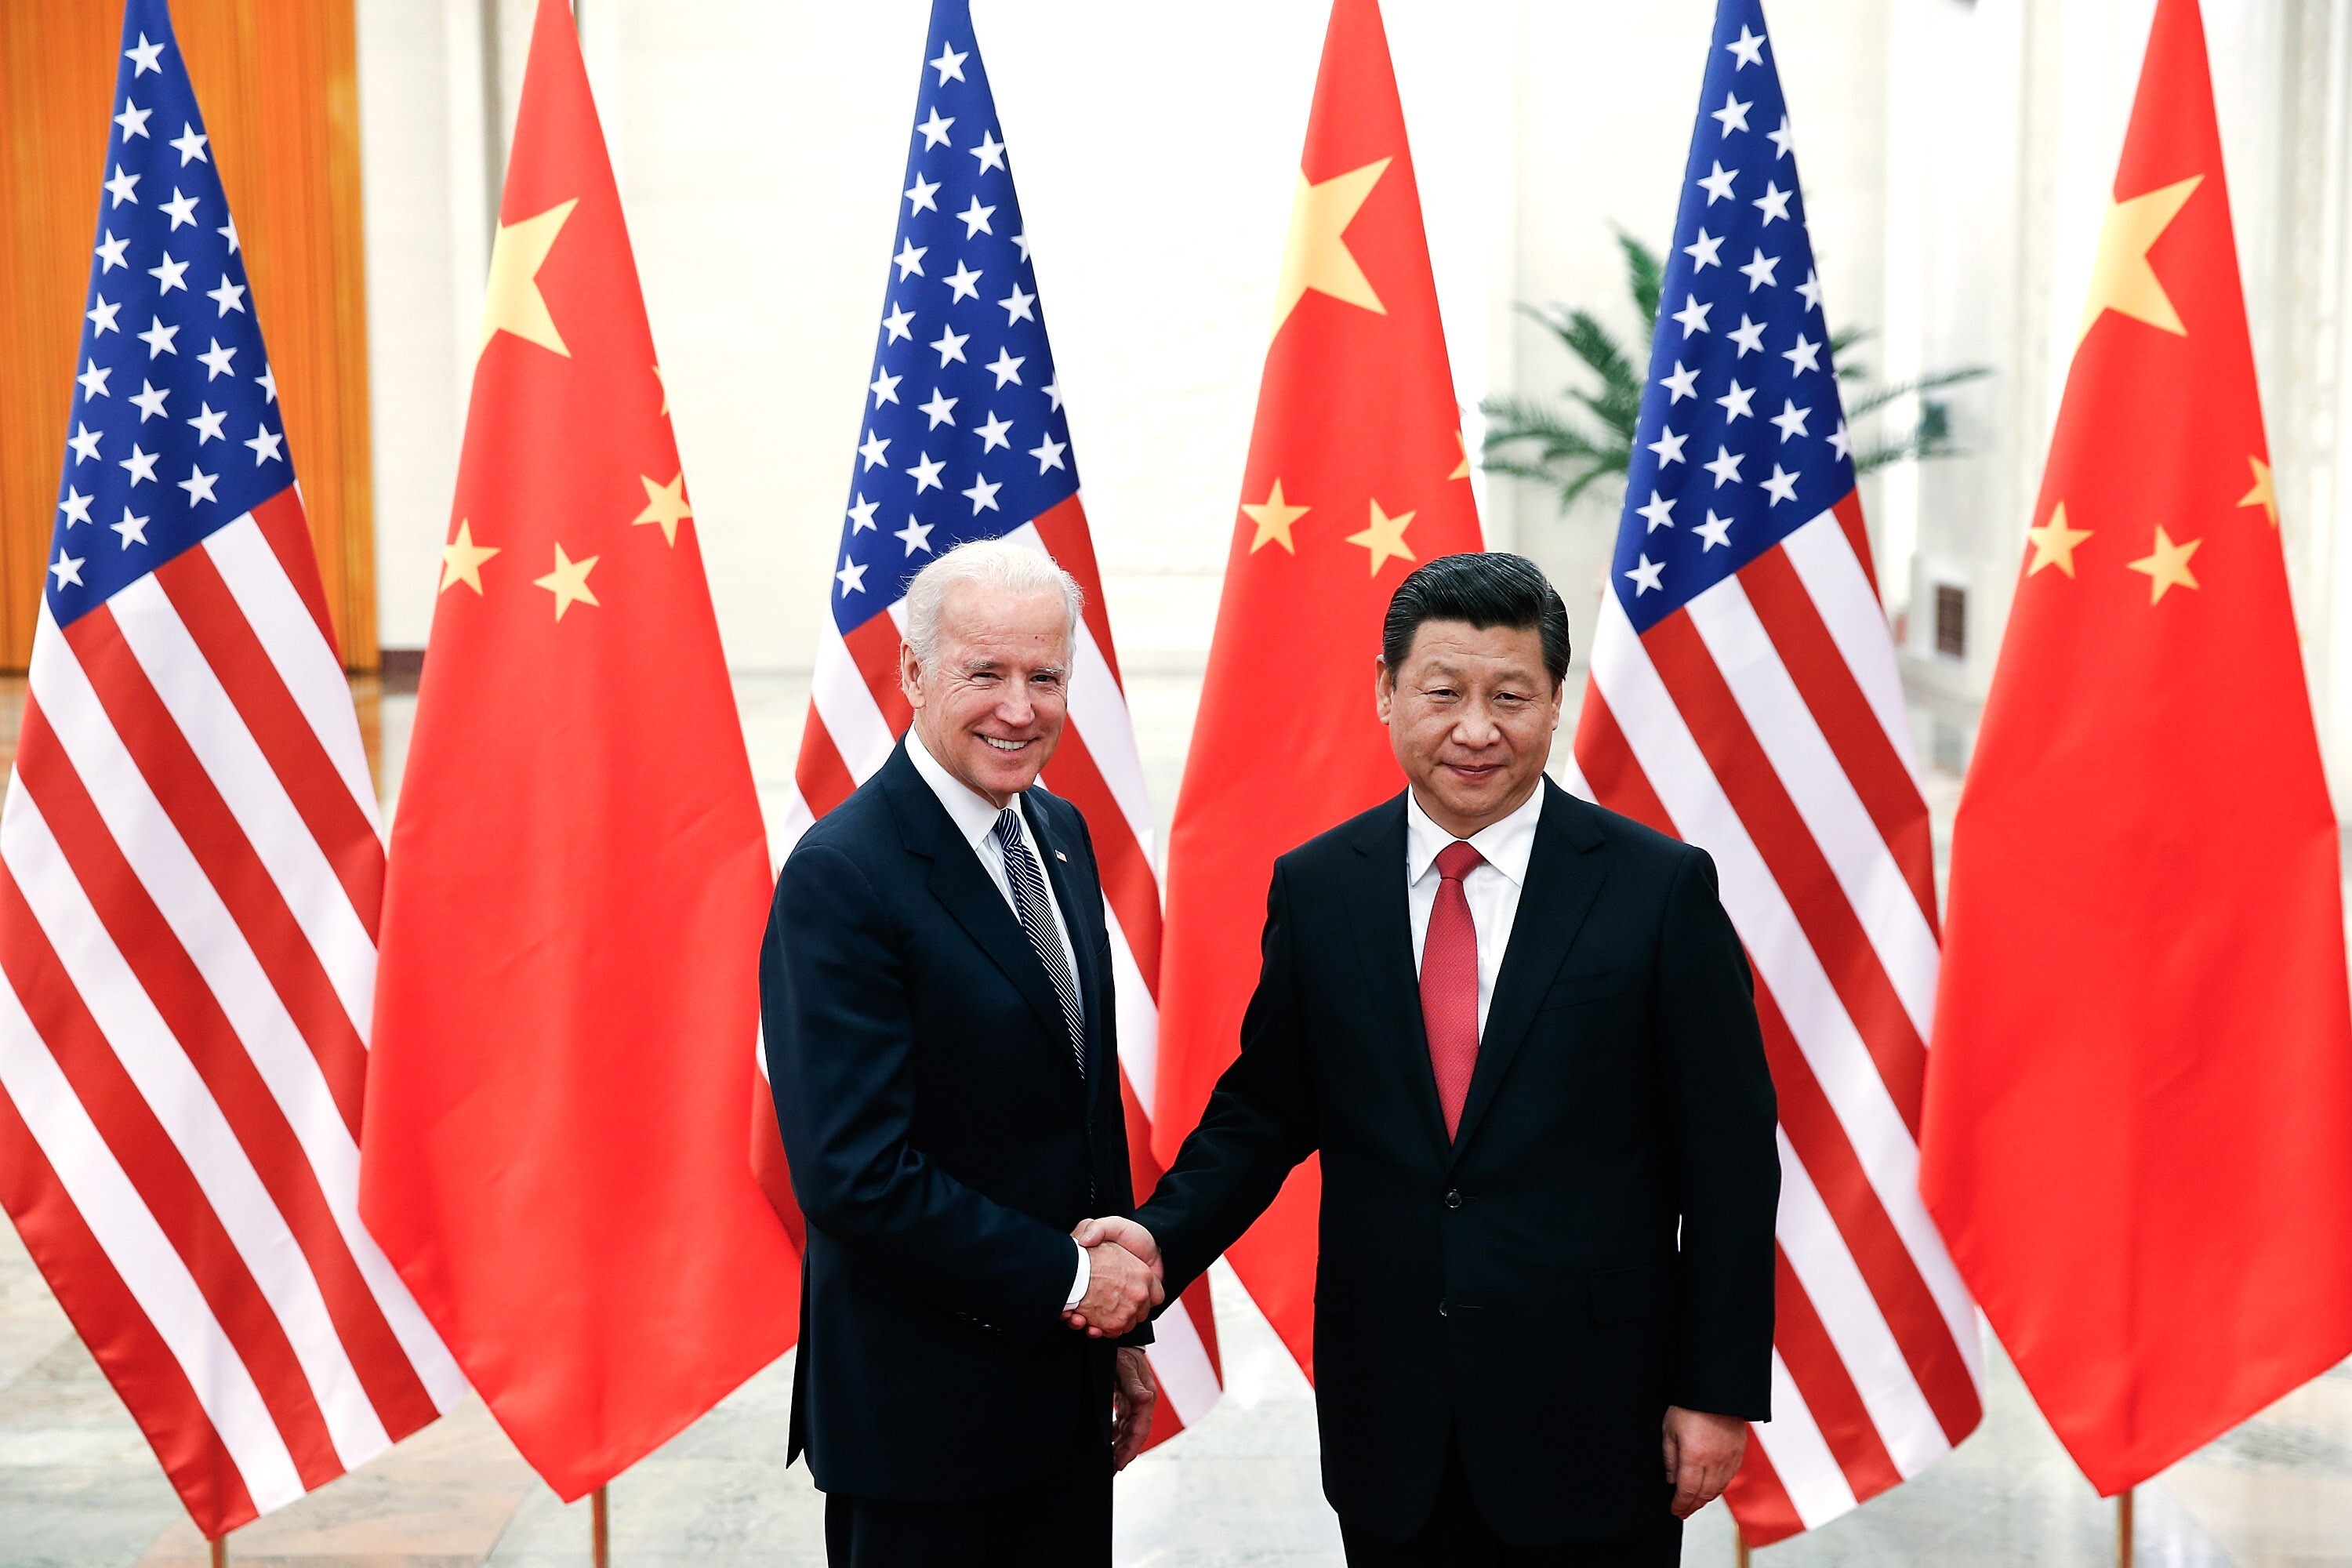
point(1123, 1285)
point(1123, 1278)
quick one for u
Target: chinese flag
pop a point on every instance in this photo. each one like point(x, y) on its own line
point(2139, 1118)
point(1357, 473)
point(568, 1000)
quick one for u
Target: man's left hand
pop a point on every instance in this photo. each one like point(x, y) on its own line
point(1132, 1401)
point(1703, 1453)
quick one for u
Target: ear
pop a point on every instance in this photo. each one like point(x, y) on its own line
point(911, 674)
point(1383, 687)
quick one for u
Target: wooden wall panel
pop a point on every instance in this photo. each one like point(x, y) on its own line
point(56, 79)
point(278, 81)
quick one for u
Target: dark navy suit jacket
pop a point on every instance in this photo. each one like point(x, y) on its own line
point(1593, 1244)
point(942, 1146)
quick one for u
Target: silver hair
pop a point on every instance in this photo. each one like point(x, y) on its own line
point(990, 563)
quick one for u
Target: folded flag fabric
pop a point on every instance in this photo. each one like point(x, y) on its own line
point(2139, 1104)
point(578, 876)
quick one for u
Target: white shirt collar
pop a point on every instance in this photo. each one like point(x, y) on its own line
point(971, 811)
point(1505, 845)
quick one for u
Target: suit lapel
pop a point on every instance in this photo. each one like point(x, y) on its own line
point(1084, 916)
point(1563, 878)
point(1383, 921)
point(962, 886)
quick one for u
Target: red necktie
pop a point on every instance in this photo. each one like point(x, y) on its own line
point(1449, 982)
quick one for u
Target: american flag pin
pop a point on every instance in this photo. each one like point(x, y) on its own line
point(1059, 856)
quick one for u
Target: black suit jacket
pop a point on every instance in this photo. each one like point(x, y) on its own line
point(1596, 1242)
point(942, 1146)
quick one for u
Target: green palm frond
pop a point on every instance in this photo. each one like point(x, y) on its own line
point(1646, 274)
point(1618, 409)
point(1581, 333)
point(1588, 438)
point(1512, 420)
point(1512, 423)
point(1930, 438)
point(1879, 455)
point(1879, 398)
point(1577, 487)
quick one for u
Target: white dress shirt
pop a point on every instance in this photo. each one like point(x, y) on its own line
point(1492, 890)
point(974, 815)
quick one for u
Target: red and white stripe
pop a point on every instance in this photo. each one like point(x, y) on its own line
point(1764, 723)
point(855, 715)
point(190, 864)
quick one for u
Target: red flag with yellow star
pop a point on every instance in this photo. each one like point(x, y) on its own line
point(568, 997)
point(2138, 1119)
point(1356, 471)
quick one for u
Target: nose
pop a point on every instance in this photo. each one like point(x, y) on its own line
point(1476, 728)
point(1016, 707)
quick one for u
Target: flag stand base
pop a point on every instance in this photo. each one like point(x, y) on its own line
point(600, 1530)
point(2124, 1530)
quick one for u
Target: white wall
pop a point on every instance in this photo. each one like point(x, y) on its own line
point(415, 411)
point(759, 148)
point(1957, 157)
point(2010, 123)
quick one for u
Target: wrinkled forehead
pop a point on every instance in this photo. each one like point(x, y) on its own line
point(987, 622)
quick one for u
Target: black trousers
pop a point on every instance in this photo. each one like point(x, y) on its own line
point(1457, 1537)
point(1061, 1522)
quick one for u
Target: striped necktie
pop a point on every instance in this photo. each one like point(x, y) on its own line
point(1034, 905)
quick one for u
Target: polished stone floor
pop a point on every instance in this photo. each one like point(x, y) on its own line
point(78, 1488)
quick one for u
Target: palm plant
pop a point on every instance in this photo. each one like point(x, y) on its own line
point(1575, 446)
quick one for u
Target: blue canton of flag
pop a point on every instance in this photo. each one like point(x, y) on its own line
point(176, 432)
point(964, 436)
point(1746, 698)
point(1742, 440)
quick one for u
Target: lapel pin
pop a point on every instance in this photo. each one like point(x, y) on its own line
point(1059, 856)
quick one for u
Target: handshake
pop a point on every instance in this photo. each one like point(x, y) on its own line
point(1123, 1278)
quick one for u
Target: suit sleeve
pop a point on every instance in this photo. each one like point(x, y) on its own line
point(1260, 1120)
point(840, 1033)
point(1116, 1173)
point(1721, 1114)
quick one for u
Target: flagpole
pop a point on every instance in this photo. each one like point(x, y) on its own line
point(1739, 1546)
point(600, 1530)
point(2124, 1529)
point(220, 1552)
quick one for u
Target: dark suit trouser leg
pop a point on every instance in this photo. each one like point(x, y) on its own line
point(1062, 1522)
point(1457, 1537)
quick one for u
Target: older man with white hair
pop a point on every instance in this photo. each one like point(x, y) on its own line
point(936, 986)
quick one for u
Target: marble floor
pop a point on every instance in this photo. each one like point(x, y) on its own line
point(80, 1489)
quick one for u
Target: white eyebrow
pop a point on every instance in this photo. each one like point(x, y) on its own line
point(986, 666)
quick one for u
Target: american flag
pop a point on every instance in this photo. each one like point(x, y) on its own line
point(189, 869)
point(1745, 698)
point(964, 436)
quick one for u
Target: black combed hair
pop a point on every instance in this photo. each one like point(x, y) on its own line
point(1486, 589)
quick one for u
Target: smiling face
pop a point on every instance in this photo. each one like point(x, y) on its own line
point(1471, 714)
point(990, 701)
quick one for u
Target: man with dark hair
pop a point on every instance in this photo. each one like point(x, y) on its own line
point(1521, 1033)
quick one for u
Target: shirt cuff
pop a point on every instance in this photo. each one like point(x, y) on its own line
point(1086, 1278)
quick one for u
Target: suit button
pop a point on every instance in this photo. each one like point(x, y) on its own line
point(1441, 1309)
point(1454, 1198)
